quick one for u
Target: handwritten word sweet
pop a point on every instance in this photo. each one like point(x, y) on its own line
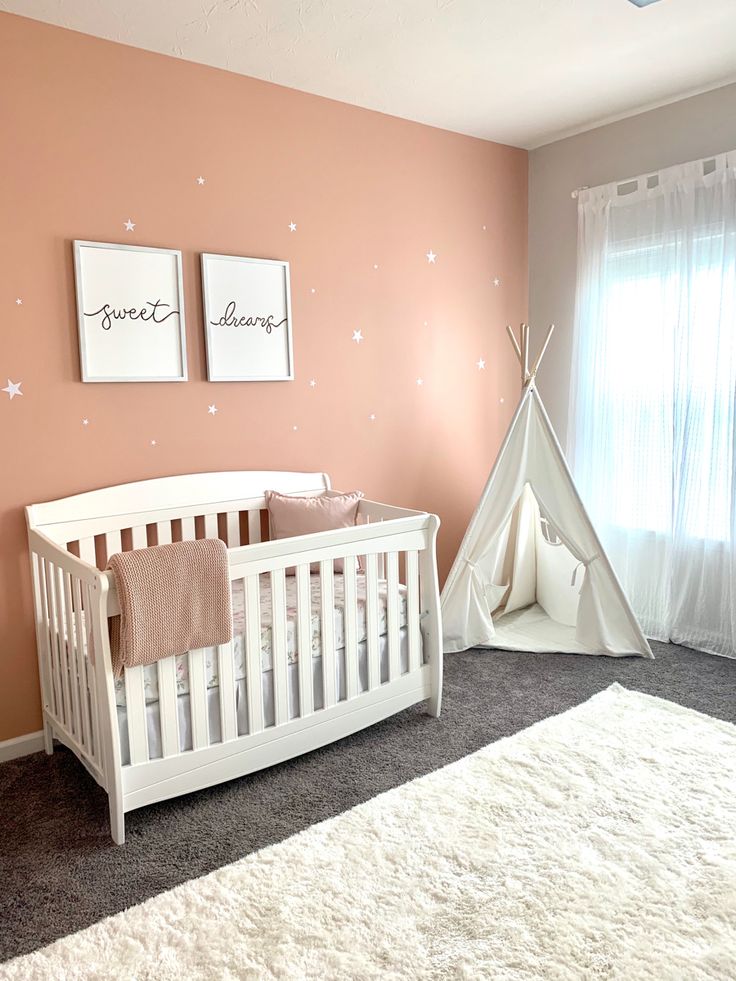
point(151, 310)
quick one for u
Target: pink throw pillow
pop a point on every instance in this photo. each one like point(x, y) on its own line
point(292, 516)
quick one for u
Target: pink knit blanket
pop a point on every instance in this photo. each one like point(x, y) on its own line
point(173, 598)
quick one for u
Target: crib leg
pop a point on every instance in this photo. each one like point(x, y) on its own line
point(430, 600)
point(435, 703)
point(48, 738)
point(435, 699)
point(117, 821)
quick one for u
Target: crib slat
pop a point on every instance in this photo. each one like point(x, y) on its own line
point(113, 543)
point(188, 530)
point(48, 659)
point(72, 661)
point(63, 647)
point(91, 686)
point(412, 609)
point(139, 537)
point(233, 529)
point(167, 706)
point(254, 527)
point(278, 647)
point(253, 654)
point(87, 551)
point(304, 640)
point(372, 626)
point(210, 526)
point(64, 629)
point(228, 708)
point(79, 624)
point(163, 532)
point(54, 642)
point(393, 599)
point(198, 698)
point(58, 605)
point(42, 629)
point(327, 622)
point(350, 613)
point(381, 565)
point(135, 702)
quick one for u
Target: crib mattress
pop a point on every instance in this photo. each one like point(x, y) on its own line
point(150, 673)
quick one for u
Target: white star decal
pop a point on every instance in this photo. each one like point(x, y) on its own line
point(129, 225)
point(420, 381)
point(312, 383)
point(372, 417)
point(314, 290)
point(295, 428)
point(358, 336)
point(200, 180)
point(85, 422)
point(13, 389)
point(212, 409)
point(496, 281)
point(375, 265)
point(481, 364)
point(19, 302)
point(502, 401)
point(484, 228)
point(425, 323)
point(153, 442)
point(292, 226)
point(431, 256)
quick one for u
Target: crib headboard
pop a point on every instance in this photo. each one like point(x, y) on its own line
point(98, 523)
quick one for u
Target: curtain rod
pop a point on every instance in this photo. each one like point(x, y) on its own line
point(730, 154)
point(619, 184)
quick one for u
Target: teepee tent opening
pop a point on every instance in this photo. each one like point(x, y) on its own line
point(531, 573)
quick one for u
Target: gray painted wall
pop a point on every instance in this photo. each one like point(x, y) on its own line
point(698, 127)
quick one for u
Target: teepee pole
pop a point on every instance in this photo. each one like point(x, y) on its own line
point(521, 347)
point(544, 348)
point(512, 336)
point(510, 332)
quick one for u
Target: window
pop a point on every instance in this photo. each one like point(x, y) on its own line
point(653, 395)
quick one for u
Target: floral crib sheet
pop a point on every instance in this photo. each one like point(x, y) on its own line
point(150, 673)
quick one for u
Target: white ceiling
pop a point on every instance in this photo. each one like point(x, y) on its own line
point(523, 72)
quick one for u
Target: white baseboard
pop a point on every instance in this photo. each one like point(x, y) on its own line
point(10, 749)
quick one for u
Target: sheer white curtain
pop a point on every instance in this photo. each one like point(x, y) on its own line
point(653, 395)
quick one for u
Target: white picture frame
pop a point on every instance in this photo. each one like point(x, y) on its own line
point(130, 313)
point(247, 318)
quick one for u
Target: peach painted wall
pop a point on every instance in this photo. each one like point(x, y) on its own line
point(95, 133)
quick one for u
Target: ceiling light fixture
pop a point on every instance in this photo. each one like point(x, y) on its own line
point(642, 3)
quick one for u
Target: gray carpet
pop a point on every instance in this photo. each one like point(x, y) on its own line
point(60, 871)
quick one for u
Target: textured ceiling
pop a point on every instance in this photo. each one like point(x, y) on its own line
point(522, 72)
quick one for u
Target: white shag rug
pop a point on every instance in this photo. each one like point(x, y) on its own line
point(600, 843)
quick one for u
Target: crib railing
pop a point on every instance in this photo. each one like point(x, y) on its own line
point(64, 597)
point(238, 523)
point(401, 547)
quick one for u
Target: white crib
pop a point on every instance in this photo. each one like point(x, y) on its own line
point(378, 651)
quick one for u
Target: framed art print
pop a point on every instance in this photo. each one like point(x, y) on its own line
point(130, 313)
point(247, 315)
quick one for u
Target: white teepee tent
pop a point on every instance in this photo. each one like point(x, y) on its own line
point(531, 573)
